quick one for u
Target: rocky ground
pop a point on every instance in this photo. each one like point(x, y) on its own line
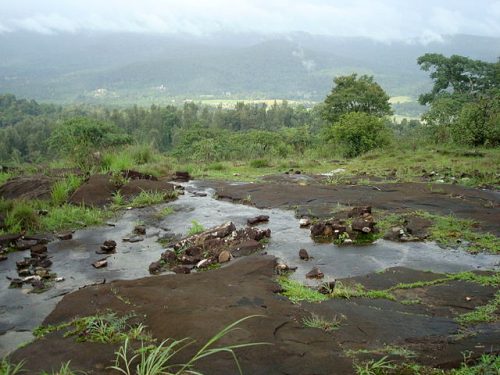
point(402, 314)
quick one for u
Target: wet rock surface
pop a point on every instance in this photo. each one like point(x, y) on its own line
point(314, 199)
point(28, 187)
point(365, 324)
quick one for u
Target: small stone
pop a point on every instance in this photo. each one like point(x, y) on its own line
point(315, 273)
point(181, 269)
point(3, 257)
point(468, 299)
point(304, 222)
point(100, 263)
point(16, 283)
point(303, 254)
point(366, 230)
point(224, 256)
point(107, 247)
point(59, 279)
point(258, 219)
point(43, 212)
point(24, 272)
point(155, 268)
point(140, 229)
point(347, 241)
point(133, 239)
point(65, 236)
point(38, 249)
point(327, 287)
point(169, 256)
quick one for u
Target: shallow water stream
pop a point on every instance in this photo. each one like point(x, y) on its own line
point(21, 312)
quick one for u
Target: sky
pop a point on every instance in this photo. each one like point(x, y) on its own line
point(383, 20)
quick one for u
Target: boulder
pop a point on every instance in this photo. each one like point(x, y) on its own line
point(303, 254)
point(315, 273)
point(224, 256)
point(258, 219)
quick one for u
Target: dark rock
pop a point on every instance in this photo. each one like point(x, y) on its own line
point(3, 257)
point(155, 268)
point(22, 244)
point(40, 239)
point(277, 289)
point(28, 187)
point(16, 283)
point(363, 224)
point(38, 286)
point(246, 248)
point(45, 263)
point(140, 229)
point(418, 227)
point(109, 246)
point(303, 254)
point(8, 239)
point(258, 219)
point(359, 211)
point(43, 212)
point(297, 172)
point(181, 176)
point(24, 272)
point(65, 236)
point(315, 273)
point(199, 194)
point(100, 263)
point(224, 256)
point(135, 175)
point(169, 256)
point(96, 192)
point(135, 187)
point(318, 229)
point(181, 269)
point(38, 250)
point(133, 239)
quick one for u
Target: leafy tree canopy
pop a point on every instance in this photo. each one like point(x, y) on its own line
point(356, 94)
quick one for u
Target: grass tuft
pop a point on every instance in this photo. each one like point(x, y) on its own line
point(327, 325)
point(297, 292)
point(195, 228)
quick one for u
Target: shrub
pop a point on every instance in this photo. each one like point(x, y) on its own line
point(357, 133)
point(259, 163)
point(22, 216)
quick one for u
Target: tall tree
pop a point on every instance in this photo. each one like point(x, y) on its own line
point(356, 94)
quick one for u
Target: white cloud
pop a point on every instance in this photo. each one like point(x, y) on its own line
point(385, 20)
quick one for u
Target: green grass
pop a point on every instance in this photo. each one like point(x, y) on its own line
point(195, 228)
point(159, 359)
point(297, 292)
point(348, 291)
point(22, 216)
point(387, 350)
point(164, 212)
point(62, 189)
point(70, 216)
point(8, 368)
point(146, 198)
point(5, 176)
point(482, 314)
point(374, 367)
point(64, 370)
point(102, 328)
point(327, 325)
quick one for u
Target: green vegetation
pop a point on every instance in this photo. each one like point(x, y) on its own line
point(157, 359)
point(64, 370)
point(327, 325)
point(372, 367)
point(8, 368)
point(482, 314)
point(103, 327)
point(164, 212)
point(296, 292)
point(387, 350)
point(195, 228)
point(146, 198)
point(448, 231)
point(62, 189)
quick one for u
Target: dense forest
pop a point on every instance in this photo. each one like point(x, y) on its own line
point(463, 108)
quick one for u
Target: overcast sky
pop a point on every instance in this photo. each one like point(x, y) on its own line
point(386, 20)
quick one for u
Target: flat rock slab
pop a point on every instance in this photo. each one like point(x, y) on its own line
point(316, 200)
point(199, 305)
point(135, 187)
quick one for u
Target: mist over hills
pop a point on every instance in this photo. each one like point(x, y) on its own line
point(140, 68)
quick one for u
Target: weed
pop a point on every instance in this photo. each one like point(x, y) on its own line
point(62, 189)
point(165, 211)
point(22, 216)
point(7, 368)
point(156, 360)
point(118, 200)
point(195, 228)
point(4, 177)
point(259, 163)
point(373, 367)
point(327, 325)
point(385, 350)
point(216, 167)
point(146, 198)
point(482, 314)
point(297, 292)
point(64, 370)
point(342, 290)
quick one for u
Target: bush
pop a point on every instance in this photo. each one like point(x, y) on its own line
point(259, 163)
point(356, 133)
point(22, 217)
point(478, 124)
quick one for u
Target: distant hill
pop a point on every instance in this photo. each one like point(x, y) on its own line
point(133, 68)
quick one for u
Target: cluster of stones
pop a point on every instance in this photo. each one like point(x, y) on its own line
point(340, 231)
point(214, 246)
point(35, 269)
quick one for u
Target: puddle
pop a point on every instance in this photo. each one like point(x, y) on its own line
point(21, 312)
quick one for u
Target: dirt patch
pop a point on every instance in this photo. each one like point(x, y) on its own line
point(28, 187)
point(318, 200)
point(200, 304)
